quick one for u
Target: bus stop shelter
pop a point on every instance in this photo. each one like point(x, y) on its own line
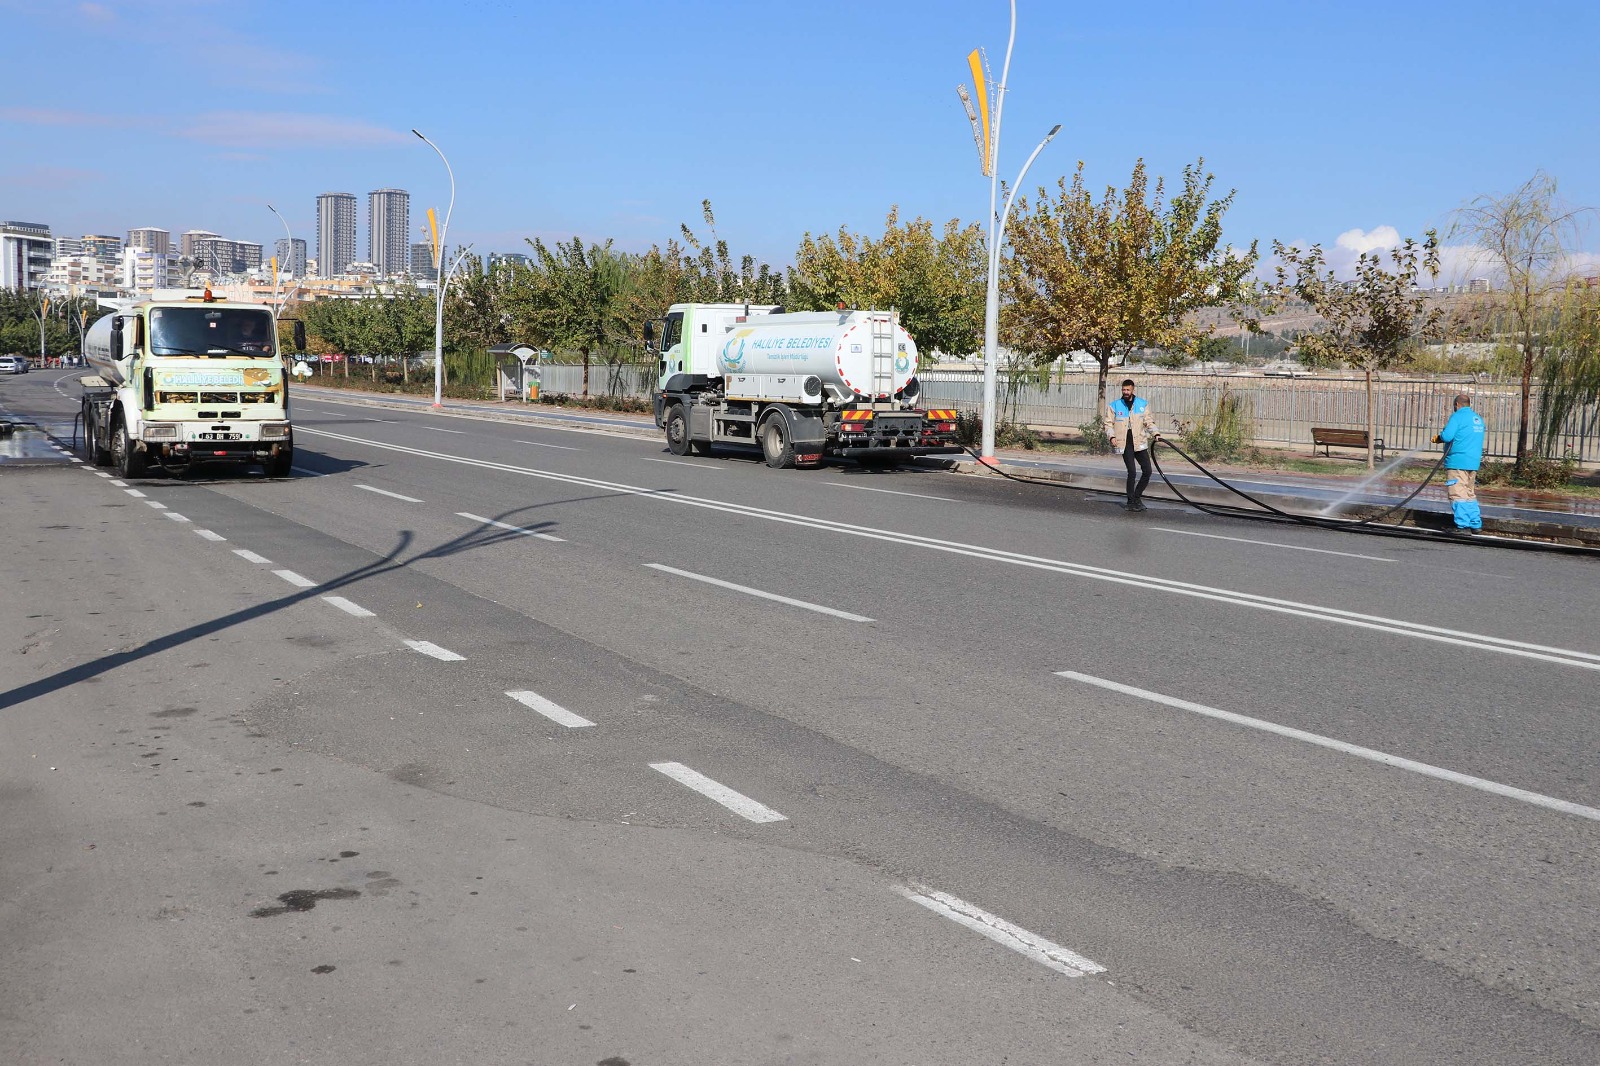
point(518, 371)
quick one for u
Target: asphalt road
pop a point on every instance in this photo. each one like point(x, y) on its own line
point(1227, 792)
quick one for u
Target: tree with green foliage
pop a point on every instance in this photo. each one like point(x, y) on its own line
point(935, 281)
point(1571, 377)
point(1120, 274)
point(1370, 321)
point(1528, 234)
point(577, 298)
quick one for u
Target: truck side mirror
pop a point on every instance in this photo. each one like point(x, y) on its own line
point(299, 335)
point(116, 339)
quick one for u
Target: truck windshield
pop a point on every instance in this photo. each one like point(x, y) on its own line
point(211, 331)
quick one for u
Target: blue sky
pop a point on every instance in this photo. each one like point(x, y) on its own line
point(615, 118)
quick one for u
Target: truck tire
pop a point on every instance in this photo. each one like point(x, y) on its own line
point(278, 465)
point(677, 426)
point(128, 459)
point(775, 443)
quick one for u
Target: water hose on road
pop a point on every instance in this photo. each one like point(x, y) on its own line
point(1263, 511)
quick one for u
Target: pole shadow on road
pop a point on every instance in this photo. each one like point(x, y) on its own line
point(484, 536)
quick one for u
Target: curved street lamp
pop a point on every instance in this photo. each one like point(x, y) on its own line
point(997, 231)
point(439, 253)
point(289, 246)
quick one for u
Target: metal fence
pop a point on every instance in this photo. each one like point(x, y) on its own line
point(626, 379)
point(1281, 410)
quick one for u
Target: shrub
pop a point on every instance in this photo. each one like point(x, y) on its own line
point(1094, 436)
point(1221, 430)
point(1536, 473)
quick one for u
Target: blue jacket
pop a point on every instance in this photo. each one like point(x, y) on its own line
point(1463, 438)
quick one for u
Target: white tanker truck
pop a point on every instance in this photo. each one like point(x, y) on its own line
point(798, 386)
point(187, 381)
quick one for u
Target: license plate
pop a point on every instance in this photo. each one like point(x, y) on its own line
point(221, 436)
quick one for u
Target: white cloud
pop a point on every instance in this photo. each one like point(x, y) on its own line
point(1379, 238)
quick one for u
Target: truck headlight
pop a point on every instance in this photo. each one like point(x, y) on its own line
point(160, 431)
point(274, 431)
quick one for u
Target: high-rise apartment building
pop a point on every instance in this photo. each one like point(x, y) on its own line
point(219, 256)
point(25, 250)
point(422, 261)
point(336, 232)
point(291, 253)
point(189, 242)
point(388, 224)
point(66, 247)
point(151, 239)
point(102, 247)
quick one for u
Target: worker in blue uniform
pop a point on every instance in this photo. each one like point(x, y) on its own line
point(1462, 437)
point(1131, 430)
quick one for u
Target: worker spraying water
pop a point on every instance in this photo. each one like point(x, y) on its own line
point(1462, 437)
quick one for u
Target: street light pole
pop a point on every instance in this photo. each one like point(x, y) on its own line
point(289, 247)
point(438, 311)
point(991, 303)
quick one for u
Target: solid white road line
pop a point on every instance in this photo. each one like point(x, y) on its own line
point(457, 432)
point(295, 579)
point(175, 516)
point(1509, 791)
point(251, 557)
point(429, 648)
point(846, 615)
point(1030, 945)
point(556, 713)
point(1273, 544)
point(508, 526)
point(737, 802)
point(208, 535)
point(680, 462)
point(134, 492)
point(892, 492)
point(541, 444)
point(391, 495)
point(303, 472)
point(347, 607)
point(1332, 615)
point(157, 504)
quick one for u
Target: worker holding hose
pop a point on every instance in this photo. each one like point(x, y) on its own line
point(1132, 430)
point(1462, 437)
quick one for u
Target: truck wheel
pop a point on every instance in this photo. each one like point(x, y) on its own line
point(278, 465)
point(128, 459)
point(776, 445)
point(677, 424)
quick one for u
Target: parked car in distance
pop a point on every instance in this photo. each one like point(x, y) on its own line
point(13, 364)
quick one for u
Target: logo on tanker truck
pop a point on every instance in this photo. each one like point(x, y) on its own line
point(733, 361)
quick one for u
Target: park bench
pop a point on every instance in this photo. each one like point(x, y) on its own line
point(1328, 436)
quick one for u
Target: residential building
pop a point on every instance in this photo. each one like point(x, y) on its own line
point(144, 271)
point(291, 253)
point(151, 239)
point(25, 250)
point(512, 259)
point(102, 246)
point(64, 247)
point(422, 261)
point(75, 274)
point(189, 242)
point(219, 256)
point(388, 223)
point(336, 232)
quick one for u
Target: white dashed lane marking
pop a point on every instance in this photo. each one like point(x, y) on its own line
point(175, 516)
point(295, 579)
point(391, 495)
point(251, 557)
point(737, 802)
point(556, 713)
point(508, 526)
point(208, 535)
point(429, 648)
point(846, 615)
point(1509, 791)
point(1029, 945)
point(347, 607)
